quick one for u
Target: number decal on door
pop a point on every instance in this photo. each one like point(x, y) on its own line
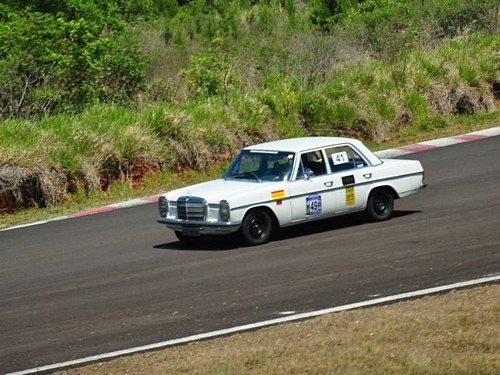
point(340, 158)
point(313, 205)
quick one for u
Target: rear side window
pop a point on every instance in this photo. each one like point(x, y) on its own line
point(342, 158)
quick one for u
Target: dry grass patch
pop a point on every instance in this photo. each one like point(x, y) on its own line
point(456, 333)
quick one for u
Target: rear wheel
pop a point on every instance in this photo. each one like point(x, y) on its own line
point(380, 205)
point(257, 227)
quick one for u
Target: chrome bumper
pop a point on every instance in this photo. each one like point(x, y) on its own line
point(199, 228)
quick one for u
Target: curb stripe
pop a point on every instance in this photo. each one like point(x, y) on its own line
point(262, 324)
point(470, 137)
point(418, 147)
point(94, 211)
point(443, 142)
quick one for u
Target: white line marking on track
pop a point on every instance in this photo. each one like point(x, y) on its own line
point(253, 326)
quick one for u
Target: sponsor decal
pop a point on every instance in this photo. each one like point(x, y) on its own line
point(313, 205)
point(349, 196)
point(278, 194)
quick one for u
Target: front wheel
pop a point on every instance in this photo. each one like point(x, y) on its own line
point(257, 227)
point(380, 205)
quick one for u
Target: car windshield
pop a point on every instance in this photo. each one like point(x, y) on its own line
point(260, 166)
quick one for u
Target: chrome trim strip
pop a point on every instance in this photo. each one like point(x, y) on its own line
point(371, 182)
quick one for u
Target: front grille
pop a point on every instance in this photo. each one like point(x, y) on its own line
point(192, 208)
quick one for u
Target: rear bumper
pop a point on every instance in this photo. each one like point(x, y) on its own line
point(414, 191)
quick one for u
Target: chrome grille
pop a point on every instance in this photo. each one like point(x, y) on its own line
point(191, 208)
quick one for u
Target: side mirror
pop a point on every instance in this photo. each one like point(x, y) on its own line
point(309, 173)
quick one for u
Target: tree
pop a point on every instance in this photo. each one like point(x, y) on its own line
point(65, 55)
point(322, 12)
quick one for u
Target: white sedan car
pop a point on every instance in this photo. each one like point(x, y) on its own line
point(288, 182)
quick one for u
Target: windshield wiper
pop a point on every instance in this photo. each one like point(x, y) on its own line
point(247, 175)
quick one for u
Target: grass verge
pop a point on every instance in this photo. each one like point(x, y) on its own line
point(454, 333)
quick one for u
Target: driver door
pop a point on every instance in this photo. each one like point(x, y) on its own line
point(311, 188)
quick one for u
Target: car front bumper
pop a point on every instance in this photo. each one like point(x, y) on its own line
point(199, 228)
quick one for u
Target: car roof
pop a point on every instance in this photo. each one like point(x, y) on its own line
point(301, 144)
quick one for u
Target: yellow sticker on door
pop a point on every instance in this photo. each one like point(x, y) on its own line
point(278, 194)
point(349, 196)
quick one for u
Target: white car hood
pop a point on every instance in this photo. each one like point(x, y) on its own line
point(215, 190)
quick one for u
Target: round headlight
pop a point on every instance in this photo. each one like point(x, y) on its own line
point(224, 210)
point(163, 206)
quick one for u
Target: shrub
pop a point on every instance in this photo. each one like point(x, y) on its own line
point(417, 104)
point(384, 27)
point(211, 72)
point(64, 57)
point(452, 17)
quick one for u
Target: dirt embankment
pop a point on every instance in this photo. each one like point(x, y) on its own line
point(22, 187)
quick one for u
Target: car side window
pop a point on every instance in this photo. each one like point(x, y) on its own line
point(343, 158)
point(312, 164)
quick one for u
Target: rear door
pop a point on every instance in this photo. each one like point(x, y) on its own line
point(351, 178)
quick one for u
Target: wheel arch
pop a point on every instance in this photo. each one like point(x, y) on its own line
point(274, 218)
point(386, 188)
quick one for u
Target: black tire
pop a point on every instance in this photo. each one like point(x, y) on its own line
point(380, 205)
point(257, 227)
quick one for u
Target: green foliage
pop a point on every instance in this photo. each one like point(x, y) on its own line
point(313, 110)
point(453, 17)
point(433, 69)
point(99, 10)
point(25, 67)
point(387, 27)
point(324, 12)
point(417, 104)
point(469, 74)
point(205, 20)
point(64, 56)
point(211, 72)
point(384, 108)
point(344, 114)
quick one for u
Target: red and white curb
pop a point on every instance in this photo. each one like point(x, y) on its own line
point(390, 153)
point(93, 211)
point(252, 326)
point(441, 142)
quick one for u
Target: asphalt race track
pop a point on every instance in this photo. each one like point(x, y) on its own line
point(84, 286)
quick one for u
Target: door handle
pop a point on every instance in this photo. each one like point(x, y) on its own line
point(367, 175)
point(328, 184)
